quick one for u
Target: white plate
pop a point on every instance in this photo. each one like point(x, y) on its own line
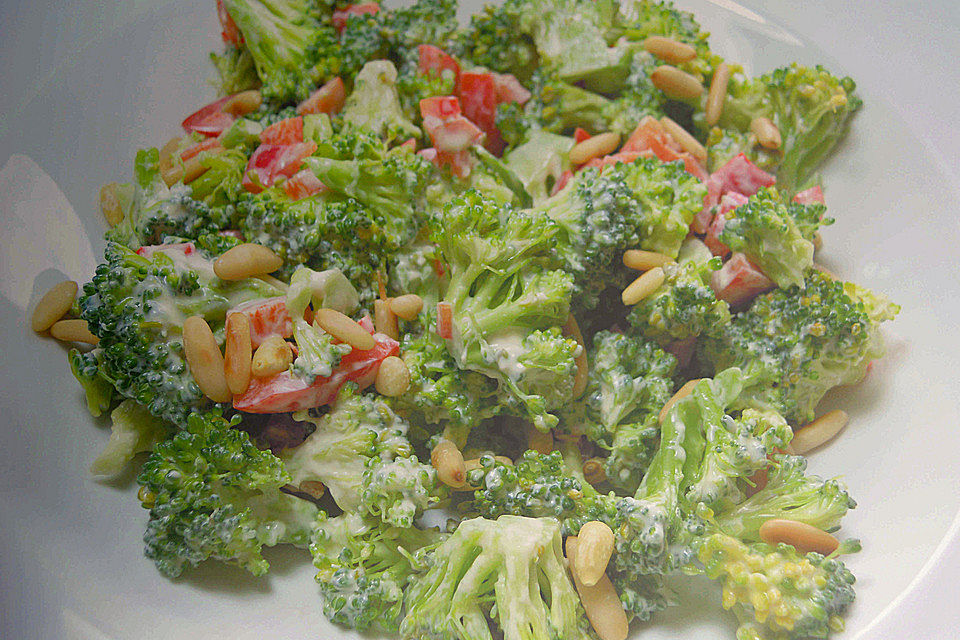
point(84, 85)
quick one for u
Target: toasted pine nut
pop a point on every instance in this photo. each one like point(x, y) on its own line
point(193, 169)
point(676, 83)
point(110, 204)
point(594, 471)
point(668, 49)
point(681, 393)
point(73, 331)
point(767, 133)
point(800, 535)
point(170, 171)
point(572, 330)
point(204, 359)
point(594, 548)
point(313, 488)
point(717, 95)
point(684, 139)
point(246, 260)
point(243, 103)
point(407, 306)
point(54, 304)
point(271, 357)
point(643, 286)
point(393, 377)
point(817, 241)
point(237, 356)
point(819, 432)
point(448, 461)
point(344, 329)
point(384, 320)
point(171, 175)
point(644, 260)
point(538, 440)
point(600, 602)
point(599, 145)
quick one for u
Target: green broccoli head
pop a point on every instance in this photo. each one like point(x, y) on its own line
point(797, 344)
point(133, 430)
point(637, 97)
point(212, 494)
point(236, 70)
point(374, 104)
point(98, 390)
point(493, 40)
point(513, 563)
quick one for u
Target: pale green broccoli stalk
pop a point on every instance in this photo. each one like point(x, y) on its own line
point(811, 108)
point(97, 388)
point(684, 306)
point(797, 344)
point(540, 162)
point(236, 70)
point(374, 104)
point(514, 565)
point(504, 288)
point(629, 382)
point(777, 237)
point(415, 268)
point(776, 590)
point(317, 354)
point(133, 430)
point(212, 494)
point(364, 567)
point(220, 184)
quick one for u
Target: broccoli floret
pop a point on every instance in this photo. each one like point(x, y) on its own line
point(776, 589)
point(494, 40)
point(236, 70)
point(423, 22)
point(416, 269)
point(133, 430)
point(684, 305)
point(797, 344)
point(364, 568)
point(375, 103)
point(629, 382)
point(508, 301)
point(540, 162)
point(136, 305)
point(638, 19)
point(212, 494)
point(514, 565)
point(219, 185)
point(811, 108)
point(97, 388)
point(769, 232)
point(637, 98)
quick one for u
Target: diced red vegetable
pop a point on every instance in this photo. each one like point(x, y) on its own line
point(433, 61)
point(728, 202)
point(442, 107)
point(626, 157)
point(228, 28)
point(742, 176)
point(714, 190)
point(562, 182)
point(580, 134)
point(327, 99)
point(268, 317)
point(286, 392)
point(410, 145)
point(340, 16)
point(209, 120)
point(739, 281)
point(682, 350)
point(509, 89)
point(451, 133)
point(813, 195)
point(286, 131)
point(445, 320)
point(302, 185)
point(206, 145)
point(186, 248)
point(651, 136)
point(271, 161)
point(478, 97)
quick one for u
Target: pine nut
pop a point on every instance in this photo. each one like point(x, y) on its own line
point(681, 393)
point(344, 329)
point(600, 602)
point(54, 304)
point(767, 133)
point(73, 331)
point(669, 49)
point(538, 440)
point(204, 359)
point(448, 461)
point(407, 306)
point(676, 83)
point(170, 171)
point(110, 204)
point(690, 144)
point(243, 103)
point(192, 169)
point(393, 377)
point(572, 330)
point(313, 488)
point(246, 260)
point(594, 548)
point(271, 357)
point(819, 432)
point(384, 320)
point(800, 535)
point(717, 95)
point(237, 356)
point(817, 241)
point(599, 145)
point(643, 286)
point(594, 471)
point(641, 260)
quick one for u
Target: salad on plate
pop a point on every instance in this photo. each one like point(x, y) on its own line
point(513, 325)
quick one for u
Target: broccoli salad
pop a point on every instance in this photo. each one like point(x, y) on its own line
point(547, 277)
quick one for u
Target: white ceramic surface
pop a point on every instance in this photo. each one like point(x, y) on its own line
point(83, 85)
